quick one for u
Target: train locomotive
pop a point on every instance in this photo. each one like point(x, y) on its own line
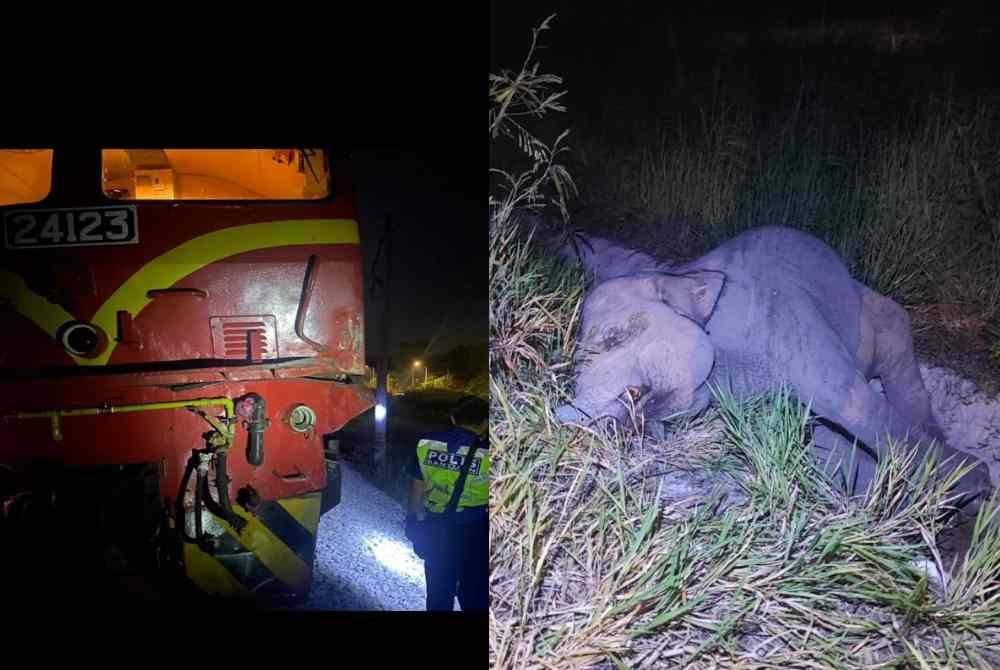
point(180, 328)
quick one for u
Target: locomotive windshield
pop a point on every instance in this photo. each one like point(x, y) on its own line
point(25, 175)
point(215, 174)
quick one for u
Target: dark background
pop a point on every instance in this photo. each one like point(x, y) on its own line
point(593, 45)
point(438, 283)
point(610, 29)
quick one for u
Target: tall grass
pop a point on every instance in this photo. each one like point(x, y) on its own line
point(532, 296)
point(911, 203)
point(931, 220)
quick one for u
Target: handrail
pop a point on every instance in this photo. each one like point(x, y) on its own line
point(55, 415)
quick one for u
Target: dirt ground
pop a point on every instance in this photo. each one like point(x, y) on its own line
point(954, 337)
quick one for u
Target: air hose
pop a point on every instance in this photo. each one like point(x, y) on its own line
point(199, 482)
point(192, 465)
point(219, 442)
point(255, 424)
point(222, 486)
point(223, 508)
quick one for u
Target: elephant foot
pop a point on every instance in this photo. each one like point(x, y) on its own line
point(954, 542)
point(975, 487)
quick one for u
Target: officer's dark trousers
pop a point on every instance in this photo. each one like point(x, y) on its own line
point(458, 564)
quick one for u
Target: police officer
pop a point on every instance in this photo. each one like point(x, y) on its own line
point(447, 519)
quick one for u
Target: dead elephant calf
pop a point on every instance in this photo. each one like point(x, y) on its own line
point(773, 306)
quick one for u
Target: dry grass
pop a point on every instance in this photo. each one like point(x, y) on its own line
point(594, 560)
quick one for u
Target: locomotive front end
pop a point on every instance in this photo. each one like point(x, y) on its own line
point(181, 326)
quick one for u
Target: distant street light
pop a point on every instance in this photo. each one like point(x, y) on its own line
point(413, 375)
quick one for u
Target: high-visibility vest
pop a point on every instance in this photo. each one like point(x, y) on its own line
point(441, 469)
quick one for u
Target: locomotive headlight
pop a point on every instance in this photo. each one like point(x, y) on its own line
point(82, 339)
point(302, 419)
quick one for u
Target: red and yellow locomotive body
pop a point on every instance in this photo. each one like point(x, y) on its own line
point(188, 331)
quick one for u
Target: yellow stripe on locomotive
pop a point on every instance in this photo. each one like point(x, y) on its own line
point(172, 266)
point(272, 557)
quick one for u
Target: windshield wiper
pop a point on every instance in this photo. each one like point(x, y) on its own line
point(306, 153)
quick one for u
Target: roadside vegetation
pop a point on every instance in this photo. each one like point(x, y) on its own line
point(722, 545)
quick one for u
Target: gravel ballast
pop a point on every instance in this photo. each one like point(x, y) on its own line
point(363, 559)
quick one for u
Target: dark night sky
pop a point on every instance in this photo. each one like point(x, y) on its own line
point(609, 27)
point(439, 247)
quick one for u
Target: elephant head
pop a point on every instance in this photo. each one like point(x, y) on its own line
point(643, 343)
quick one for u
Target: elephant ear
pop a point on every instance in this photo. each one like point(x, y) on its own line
point(692, 294)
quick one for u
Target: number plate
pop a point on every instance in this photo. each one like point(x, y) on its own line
point(93, 226)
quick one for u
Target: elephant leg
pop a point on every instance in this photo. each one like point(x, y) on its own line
point(895, 364)
point(848, 402)
point(871, 418)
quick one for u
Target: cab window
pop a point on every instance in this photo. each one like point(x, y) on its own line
point(215, 174)
point(25, 175)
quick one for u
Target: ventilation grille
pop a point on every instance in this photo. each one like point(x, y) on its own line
point(245, 338)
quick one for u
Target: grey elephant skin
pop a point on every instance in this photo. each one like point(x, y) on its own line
point(774, 306)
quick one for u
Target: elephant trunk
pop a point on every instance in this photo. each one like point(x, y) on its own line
point(585, 410)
